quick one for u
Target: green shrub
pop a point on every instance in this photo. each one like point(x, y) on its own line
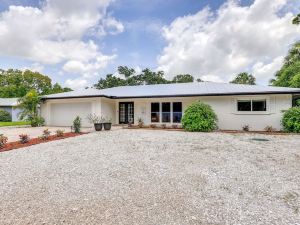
point(77, 124)
point(291, 120)
point(37, 121)
point(199, 117)
point(5, 116)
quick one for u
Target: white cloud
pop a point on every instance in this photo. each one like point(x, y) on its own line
point(231, 40)
point(58, 32)
point(75, 84)
point(265, 71)
point(88, 69)
point(36, 67)
point(113, 26)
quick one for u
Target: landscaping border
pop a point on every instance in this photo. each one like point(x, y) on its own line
point(216, 131)
point(35, 141)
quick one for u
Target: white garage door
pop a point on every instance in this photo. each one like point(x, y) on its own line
point(63, 114)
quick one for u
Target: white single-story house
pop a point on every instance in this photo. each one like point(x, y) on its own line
point(235, 105)
point(8, 104)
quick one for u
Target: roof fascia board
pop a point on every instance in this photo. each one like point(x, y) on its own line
point(170, 96)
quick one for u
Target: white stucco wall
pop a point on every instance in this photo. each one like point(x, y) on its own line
point(108, 109)
point(224, 106)
point(100, 106)
point(69, 115)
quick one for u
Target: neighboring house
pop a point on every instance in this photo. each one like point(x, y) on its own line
point(235, 105)
point(8, 104)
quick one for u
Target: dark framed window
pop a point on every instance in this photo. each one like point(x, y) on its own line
point(177, 112)
point(155, 112)
point(244, 105)
point(252, 105)
point(166, 112)
point(259, 105)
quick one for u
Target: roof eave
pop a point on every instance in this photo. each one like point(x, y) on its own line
point(170, 96)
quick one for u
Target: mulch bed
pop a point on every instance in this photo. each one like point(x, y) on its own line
point(154, 128)
point(34, 141)
point(256, 132)
point(218, 131)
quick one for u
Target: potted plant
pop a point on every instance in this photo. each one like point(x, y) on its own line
point(96, 120)
point(107, 124)
point(140, 123)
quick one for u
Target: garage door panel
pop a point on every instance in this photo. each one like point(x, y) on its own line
point(63, 114)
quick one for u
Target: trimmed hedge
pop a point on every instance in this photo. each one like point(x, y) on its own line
point(199, 117)
point(291, 120)
point(5, 116)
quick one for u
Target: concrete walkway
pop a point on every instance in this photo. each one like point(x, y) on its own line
point(13, 132)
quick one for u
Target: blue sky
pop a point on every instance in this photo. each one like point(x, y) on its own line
point(157, 34)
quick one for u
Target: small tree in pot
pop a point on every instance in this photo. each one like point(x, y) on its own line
point(107, 124)
point(96, 120)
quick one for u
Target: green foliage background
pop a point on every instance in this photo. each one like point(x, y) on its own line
point(289, 74)
point(5, 116)
point(244, 78)
point(130, 78)
point(17, 83)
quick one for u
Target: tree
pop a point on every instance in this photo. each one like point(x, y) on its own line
point(183, 78)
point(289, 74)
point(29, 106)
point(244, 78)
point(127, 72)
point(296, 19)
point(109, 82)
point(56, 88)
point(146, 77)
point(16, 83)
point(150, 77)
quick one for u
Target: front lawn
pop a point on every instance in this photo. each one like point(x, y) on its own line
point(9, 124)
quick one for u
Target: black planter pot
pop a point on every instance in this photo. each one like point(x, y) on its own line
point(107, 126)
point(98, 126)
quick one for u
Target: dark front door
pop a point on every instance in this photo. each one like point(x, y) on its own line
point(126, 112)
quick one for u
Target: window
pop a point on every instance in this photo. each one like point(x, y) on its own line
point(155, 109)
point(177, 112)
point(259, 105)
point(244, 105)
point(166, 112)
point(252, 105)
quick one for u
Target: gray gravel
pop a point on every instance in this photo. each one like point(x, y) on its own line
point(153, 177)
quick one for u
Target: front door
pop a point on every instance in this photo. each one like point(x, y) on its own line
point(126, 112)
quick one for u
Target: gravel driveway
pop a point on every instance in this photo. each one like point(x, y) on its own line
point(153, 177)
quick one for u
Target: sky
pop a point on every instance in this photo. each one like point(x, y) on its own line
point(78, 42)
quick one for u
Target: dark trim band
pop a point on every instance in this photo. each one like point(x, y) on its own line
point(174, 96)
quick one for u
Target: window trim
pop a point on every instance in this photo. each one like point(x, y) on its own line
point(252, 98)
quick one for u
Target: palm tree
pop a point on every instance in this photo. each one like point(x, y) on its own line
point(29, 106)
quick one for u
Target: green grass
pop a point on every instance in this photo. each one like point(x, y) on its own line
point(8, 124)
